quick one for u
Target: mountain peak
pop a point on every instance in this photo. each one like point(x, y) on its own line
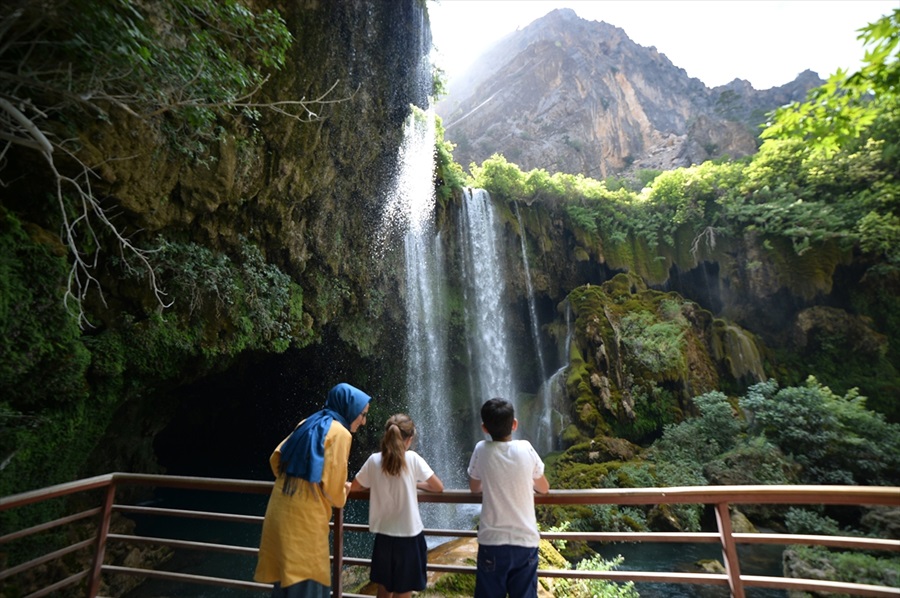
point(571, 95)
point(561, 13)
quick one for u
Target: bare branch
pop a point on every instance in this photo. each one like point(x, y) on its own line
point(42, 80)
point(25, 123)
point(709, 234)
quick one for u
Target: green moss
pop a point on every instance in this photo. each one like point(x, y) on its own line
point(810, 273)
point(574, 475)
point(572, 435)
point(46, 415)
point(638, 355)
point(41, 357)
point(549, 557)
point(453, 585)
point(848, 567)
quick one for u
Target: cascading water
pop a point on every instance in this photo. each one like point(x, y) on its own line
point(489, 341)
point(410, 208)
point(542, 435)
point(446, 436)
point(532, 307)
point(737, 347)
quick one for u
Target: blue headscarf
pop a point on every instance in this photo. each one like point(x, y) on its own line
point(303, 453)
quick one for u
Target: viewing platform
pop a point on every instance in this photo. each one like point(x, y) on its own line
point(718, 498)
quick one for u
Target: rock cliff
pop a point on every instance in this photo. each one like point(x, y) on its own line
point(262, 242)
point(570, 95)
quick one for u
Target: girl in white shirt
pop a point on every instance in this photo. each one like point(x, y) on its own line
point(400, 554)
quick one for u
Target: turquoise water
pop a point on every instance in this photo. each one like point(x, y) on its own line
point(755, 560)
point(236, 534)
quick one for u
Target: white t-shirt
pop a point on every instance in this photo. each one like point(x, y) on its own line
point(507, 471)
point(393, 501)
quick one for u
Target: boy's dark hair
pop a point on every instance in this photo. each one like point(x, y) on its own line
point(497, 415)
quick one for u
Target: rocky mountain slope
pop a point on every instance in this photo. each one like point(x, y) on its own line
point(570, 95)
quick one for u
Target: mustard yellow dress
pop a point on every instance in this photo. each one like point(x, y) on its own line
point(294, 544)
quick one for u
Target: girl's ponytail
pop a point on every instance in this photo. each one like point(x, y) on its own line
point(397, 430)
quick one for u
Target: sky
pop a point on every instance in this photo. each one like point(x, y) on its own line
point(767, 42)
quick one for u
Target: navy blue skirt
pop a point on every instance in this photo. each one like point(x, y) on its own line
point(398, 563)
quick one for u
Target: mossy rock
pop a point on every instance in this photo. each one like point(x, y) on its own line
point(602, 449)
point(452, 585)
point(573, 475)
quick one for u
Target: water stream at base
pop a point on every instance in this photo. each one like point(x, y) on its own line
point(755, 559)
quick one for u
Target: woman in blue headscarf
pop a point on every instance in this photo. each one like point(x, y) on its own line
point(310, 467)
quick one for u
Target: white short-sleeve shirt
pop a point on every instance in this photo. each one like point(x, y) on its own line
point(393, 501)
point(507, 471)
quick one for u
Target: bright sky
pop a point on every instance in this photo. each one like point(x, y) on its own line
point(767, 42)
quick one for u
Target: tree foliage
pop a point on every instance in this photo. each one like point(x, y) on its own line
point(449, 174)
point(849, 104)
point(189, 60)
point(179, 66)
point(595, 588)
point(834, 438)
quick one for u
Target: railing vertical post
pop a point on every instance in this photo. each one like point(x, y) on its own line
point(729, 550)
point(337, 589)
point(102, 531)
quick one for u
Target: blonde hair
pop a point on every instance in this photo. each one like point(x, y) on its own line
point(397, 430)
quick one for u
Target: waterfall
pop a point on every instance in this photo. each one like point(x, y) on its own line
point(532, 308)
point(427, 364)
point(484, 284)
point(410, 210)
point(554, 405)
point(447, 412)
point(553, 399)
point(541, 427)
point(738, 349)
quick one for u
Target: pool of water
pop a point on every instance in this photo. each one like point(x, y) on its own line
point(755, 560)
point(674, 557)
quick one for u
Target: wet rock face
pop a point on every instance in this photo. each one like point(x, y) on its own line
point(819, 323)
point(577, 96)
point(639, 355)
point(308, 194)
point(292, 204)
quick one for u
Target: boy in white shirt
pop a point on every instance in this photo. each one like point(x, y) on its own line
point(508, 472)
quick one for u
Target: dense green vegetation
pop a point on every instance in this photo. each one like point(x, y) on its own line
point(793, 435)
point(810, 198)
point(59, 386)
point(179, 67)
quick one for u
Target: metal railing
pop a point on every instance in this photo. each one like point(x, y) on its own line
point(721, 498)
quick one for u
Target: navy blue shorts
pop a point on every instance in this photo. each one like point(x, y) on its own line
point(398, 563)
point(304, 589)
point(506, 571)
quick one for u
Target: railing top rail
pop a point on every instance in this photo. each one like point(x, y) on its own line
point(756, 494)
point(751, 494)
point(194, 483)
point(32, 496)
